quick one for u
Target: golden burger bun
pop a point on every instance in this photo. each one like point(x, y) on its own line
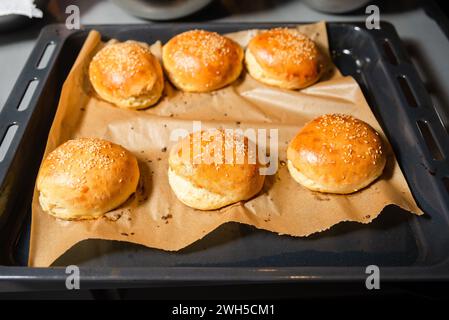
point(127, 74)
point(202, 61)
point(204, 178)
point(85, 178)
point(283, 58)
point(336, 153)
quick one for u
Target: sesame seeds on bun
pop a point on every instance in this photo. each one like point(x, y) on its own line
point(336, 153)
point(85, 178)
point(283, 58)
point(205, 178)
point(127, 74)
point(202, 61)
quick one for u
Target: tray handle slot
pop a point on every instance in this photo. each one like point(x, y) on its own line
point(430, 140)
point(18, 109)
point(7, 140)
point(46, 55)
point(407, 91)
point(389, 53)
point(26, 98)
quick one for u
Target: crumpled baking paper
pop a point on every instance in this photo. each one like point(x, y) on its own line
point(154, 217)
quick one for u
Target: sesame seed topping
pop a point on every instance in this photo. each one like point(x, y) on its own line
point(219, 146)
point(352, 140)
point(118, 63)
point(202, 48)
point(286, 45)
point(77, 158)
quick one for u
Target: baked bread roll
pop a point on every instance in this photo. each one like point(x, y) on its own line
point(85, 178)
point(205, 176)
point(201, 61)
point(336, 153)
point(127, 74)
point(283, 58)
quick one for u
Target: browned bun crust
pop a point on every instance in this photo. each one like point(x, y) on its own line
point(127, 74)
point(202, 182)
point(85, 178)
point(202, 61)
point(336, 153)
point(284, 58)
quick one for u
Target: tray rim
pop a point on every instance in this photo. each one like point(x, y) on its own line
point(137, 276)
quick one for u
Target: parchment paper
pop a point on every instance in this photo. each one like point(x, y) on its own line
point(153, 216)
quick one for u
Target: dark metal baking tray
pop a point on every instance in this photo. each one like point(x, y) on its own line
point(404, 246)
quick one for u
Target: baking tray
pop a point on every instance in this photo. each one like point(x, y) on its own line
point(404, 246)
